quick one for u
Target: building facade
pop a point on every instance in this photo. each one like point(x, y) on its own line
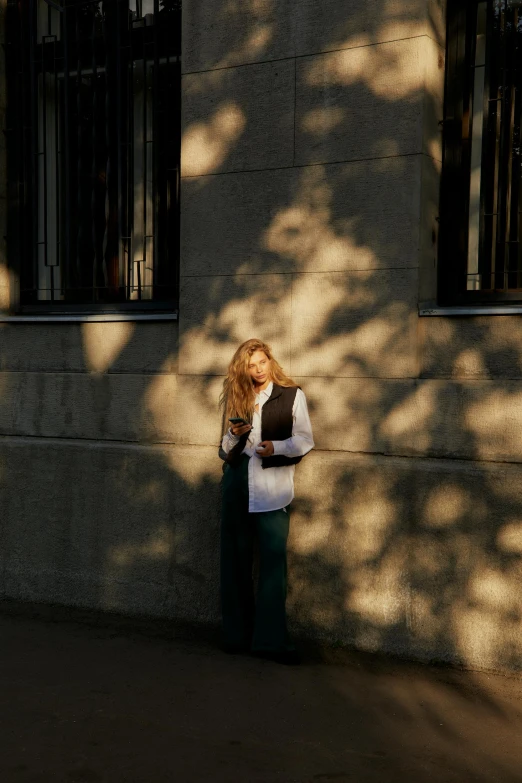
point(314, 139)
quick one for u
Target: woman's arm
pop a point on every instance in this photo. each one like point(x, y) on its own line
point(302, 440)
point(229, 441)
point(233, 435)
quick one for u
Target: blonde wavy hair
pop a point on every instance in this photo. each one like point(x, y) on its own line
point(238, 395)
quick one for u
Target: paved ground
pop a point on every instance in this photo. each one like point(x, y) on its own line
point(103, 705)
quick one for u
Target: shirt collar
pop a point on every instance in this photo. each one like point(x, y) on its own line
point(268, 391)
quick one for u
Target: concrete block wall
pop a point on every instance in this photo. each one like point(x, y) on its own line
point(310, 160)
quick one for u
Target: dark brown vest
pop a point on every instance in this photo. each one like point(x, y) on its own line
point(276, 424)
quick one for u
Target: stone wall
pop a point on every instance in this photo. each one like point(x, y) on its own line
point(311, 156)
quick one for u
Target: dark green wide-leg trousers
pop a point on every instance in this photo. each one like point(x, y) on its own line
point(258, 624)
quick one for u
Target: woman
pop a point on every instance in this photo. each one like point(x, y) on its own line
point(258, 485)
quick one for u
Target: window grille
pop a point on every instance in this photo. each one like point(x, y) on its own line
point(481, 199)
point(93, 150)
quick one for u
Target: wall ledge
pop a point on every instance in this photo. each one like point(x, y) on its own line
point(86, 318)
point(428, 309)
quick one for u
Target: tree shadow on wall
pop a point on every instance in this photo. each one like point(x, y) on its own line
point(303, 222)
point(407, 553)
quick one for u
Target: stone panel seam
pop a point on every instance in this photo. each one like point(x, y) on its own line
point(344, 162)
point(314, 54)
point(318, 272)
point(462, 379)
point(422, 457)
point(245, 274)
point(64, 439)
point(33, 440)
point(158, 445)
point(433, 379)
point(394, 378)
point(93, 373)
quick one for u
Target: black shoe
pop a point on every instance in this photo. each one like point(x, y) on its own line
point(285, 657)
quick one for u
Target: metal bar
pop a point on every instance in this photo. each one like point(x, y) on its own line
point(508, 134)
point(155, 145)
point(144, 152)
point(503, 151)
point(55, 5)
point(15, 134)
point(79, 142)
point(512, 237)
point(477, 103)
point(85, 288)
point(487, 240)
point(174, 247)
point(491, 160)
point(517, 152)
point(33, 79)
point(162, 159)
point(57, 156)
point(101, 69)
point(107, 261)
point(44, 143)
point(453, 217)
point(94, 167)
point(130, 160)
point(118, 162)
point(66, 156)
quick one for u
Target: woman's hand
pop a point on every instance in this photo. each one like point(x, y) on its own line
point(265, 448)
point(240, 429)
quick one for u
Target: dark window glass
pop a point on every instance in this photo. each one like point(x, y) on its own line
point(480, 215)
point(94, 101)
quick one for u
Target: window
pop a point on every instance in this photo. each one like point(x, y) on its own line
point(481, 197)
point(93, 151)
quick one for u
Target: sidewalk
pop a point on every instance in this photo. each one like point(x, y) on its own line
point(83, 704)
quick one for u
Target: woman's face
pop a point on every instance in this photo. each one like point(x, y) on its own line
point(259, 368)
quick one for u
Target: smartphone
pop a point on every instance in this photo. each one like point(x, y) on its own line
point(238, 420)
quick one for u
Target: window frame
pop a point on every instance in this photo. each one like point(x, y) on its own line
point(21, 189)
point(456, 173)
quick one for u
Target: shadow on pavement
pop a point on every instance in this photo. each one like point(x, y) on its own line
point(108, 705)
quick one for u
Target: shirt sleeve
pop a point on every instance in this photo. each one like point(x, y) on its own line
point(229, 441)
point(302, 440)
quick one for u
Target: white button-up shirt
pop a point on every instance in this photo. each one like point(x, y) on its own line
point(273, 488)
